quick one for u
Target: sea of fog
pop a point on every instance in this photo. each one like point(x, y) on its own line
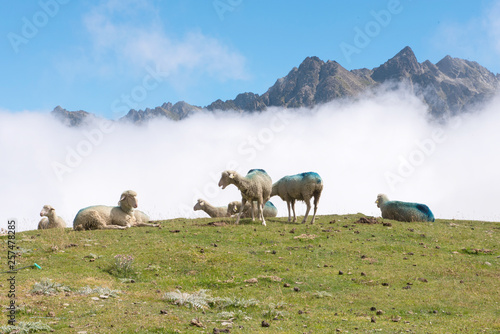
point(380, 143)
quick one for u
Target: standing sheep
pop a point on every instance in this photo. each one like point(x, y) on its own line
point(112, 217)
point(235, 207)
point(300, 187)
point(403, 211)
point(50, 219)
point(255, 186)
point(211, 210)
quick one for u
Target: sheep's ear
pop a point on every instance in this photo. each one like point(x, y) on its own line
point(202, 202)
point(231, 175)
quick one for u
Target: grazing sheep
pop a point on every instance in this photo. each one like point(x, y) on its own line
point(235, 207)
point(112, 217)
point(300, 187)
point(50, 219)
point(403, 211)
point(211, 210)
point(255, 186)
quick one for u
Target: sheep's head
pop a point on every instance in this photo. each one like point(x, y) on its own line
point(227, 178)
point(128, 200)
point(199, 205)
point(381, 199)
point(233, 208)
point(46, 210)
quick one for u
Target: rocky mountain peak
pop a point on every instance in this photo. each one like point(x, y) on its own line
point(401, 66)
point(71, 118)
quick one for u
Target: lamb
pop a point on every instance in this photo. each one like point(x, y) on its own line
point(255, 186)
point(50, 219)
point(403, 211)
point(112, 217)
point(235, 207)
point(300, 187)
point(211, 210)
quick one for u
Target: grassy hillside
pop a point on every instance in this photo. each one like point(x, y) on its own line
point(210, 276)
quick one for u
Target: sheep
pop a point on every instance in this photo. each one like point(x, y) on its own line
point(211, 210)
point(50, 219)
point(112, 217)
point(235, 207)
point(403, 211)
point(255, 186)
point(300, 187)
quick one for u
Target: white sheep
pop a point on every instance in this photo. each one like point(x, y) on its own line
point(112, 217)
point(211, 210)
point(234, 208)
point(300, 187)
point(50, 219)
point(255, 186)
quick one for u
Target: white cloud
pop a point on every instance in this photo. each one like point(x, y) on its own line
point(133, 35)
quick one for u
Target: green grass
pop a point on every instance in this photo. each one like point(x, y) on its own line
point(441, 277)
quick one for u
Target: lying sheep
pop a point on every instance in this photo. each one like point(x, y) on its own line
point(300, 187)
point(50, 219)
point(255, 186)
point(234, 208)
point(211, 210)
point(403, 211)
point(112, 217)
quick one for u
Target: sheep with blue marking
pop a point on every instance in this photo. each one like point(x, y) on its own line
point(403, 211)
point(234, 208)
point(301, 187)
point(255, 186)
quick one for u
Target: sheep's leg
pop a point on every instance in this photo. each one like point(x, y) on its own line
point(308, 203)
point(243, 202)
point(316, 201)
point(114, 227)
point(314, 214)
point(253, 211)
point(261, 212)
point(289, 211)
point(293, 208)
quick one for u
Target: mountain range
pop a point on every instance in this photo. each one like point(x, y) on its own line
point(450, 86)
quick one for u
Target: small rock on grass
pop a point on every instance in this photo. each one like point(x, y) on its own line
point(196, 322)
point(252, 280)
point(265, 323)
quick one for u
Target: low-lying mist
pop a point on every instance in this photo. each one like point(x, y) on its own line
point(381, 143)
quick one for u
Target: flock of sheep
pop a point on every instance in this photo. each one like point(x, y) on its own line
point(256, 189)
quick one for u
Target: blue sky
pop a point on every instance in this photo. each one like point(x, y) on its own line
point(107, 56)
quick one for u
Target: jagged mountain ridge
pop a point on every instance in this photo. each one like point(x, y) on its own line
point(450, 86)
